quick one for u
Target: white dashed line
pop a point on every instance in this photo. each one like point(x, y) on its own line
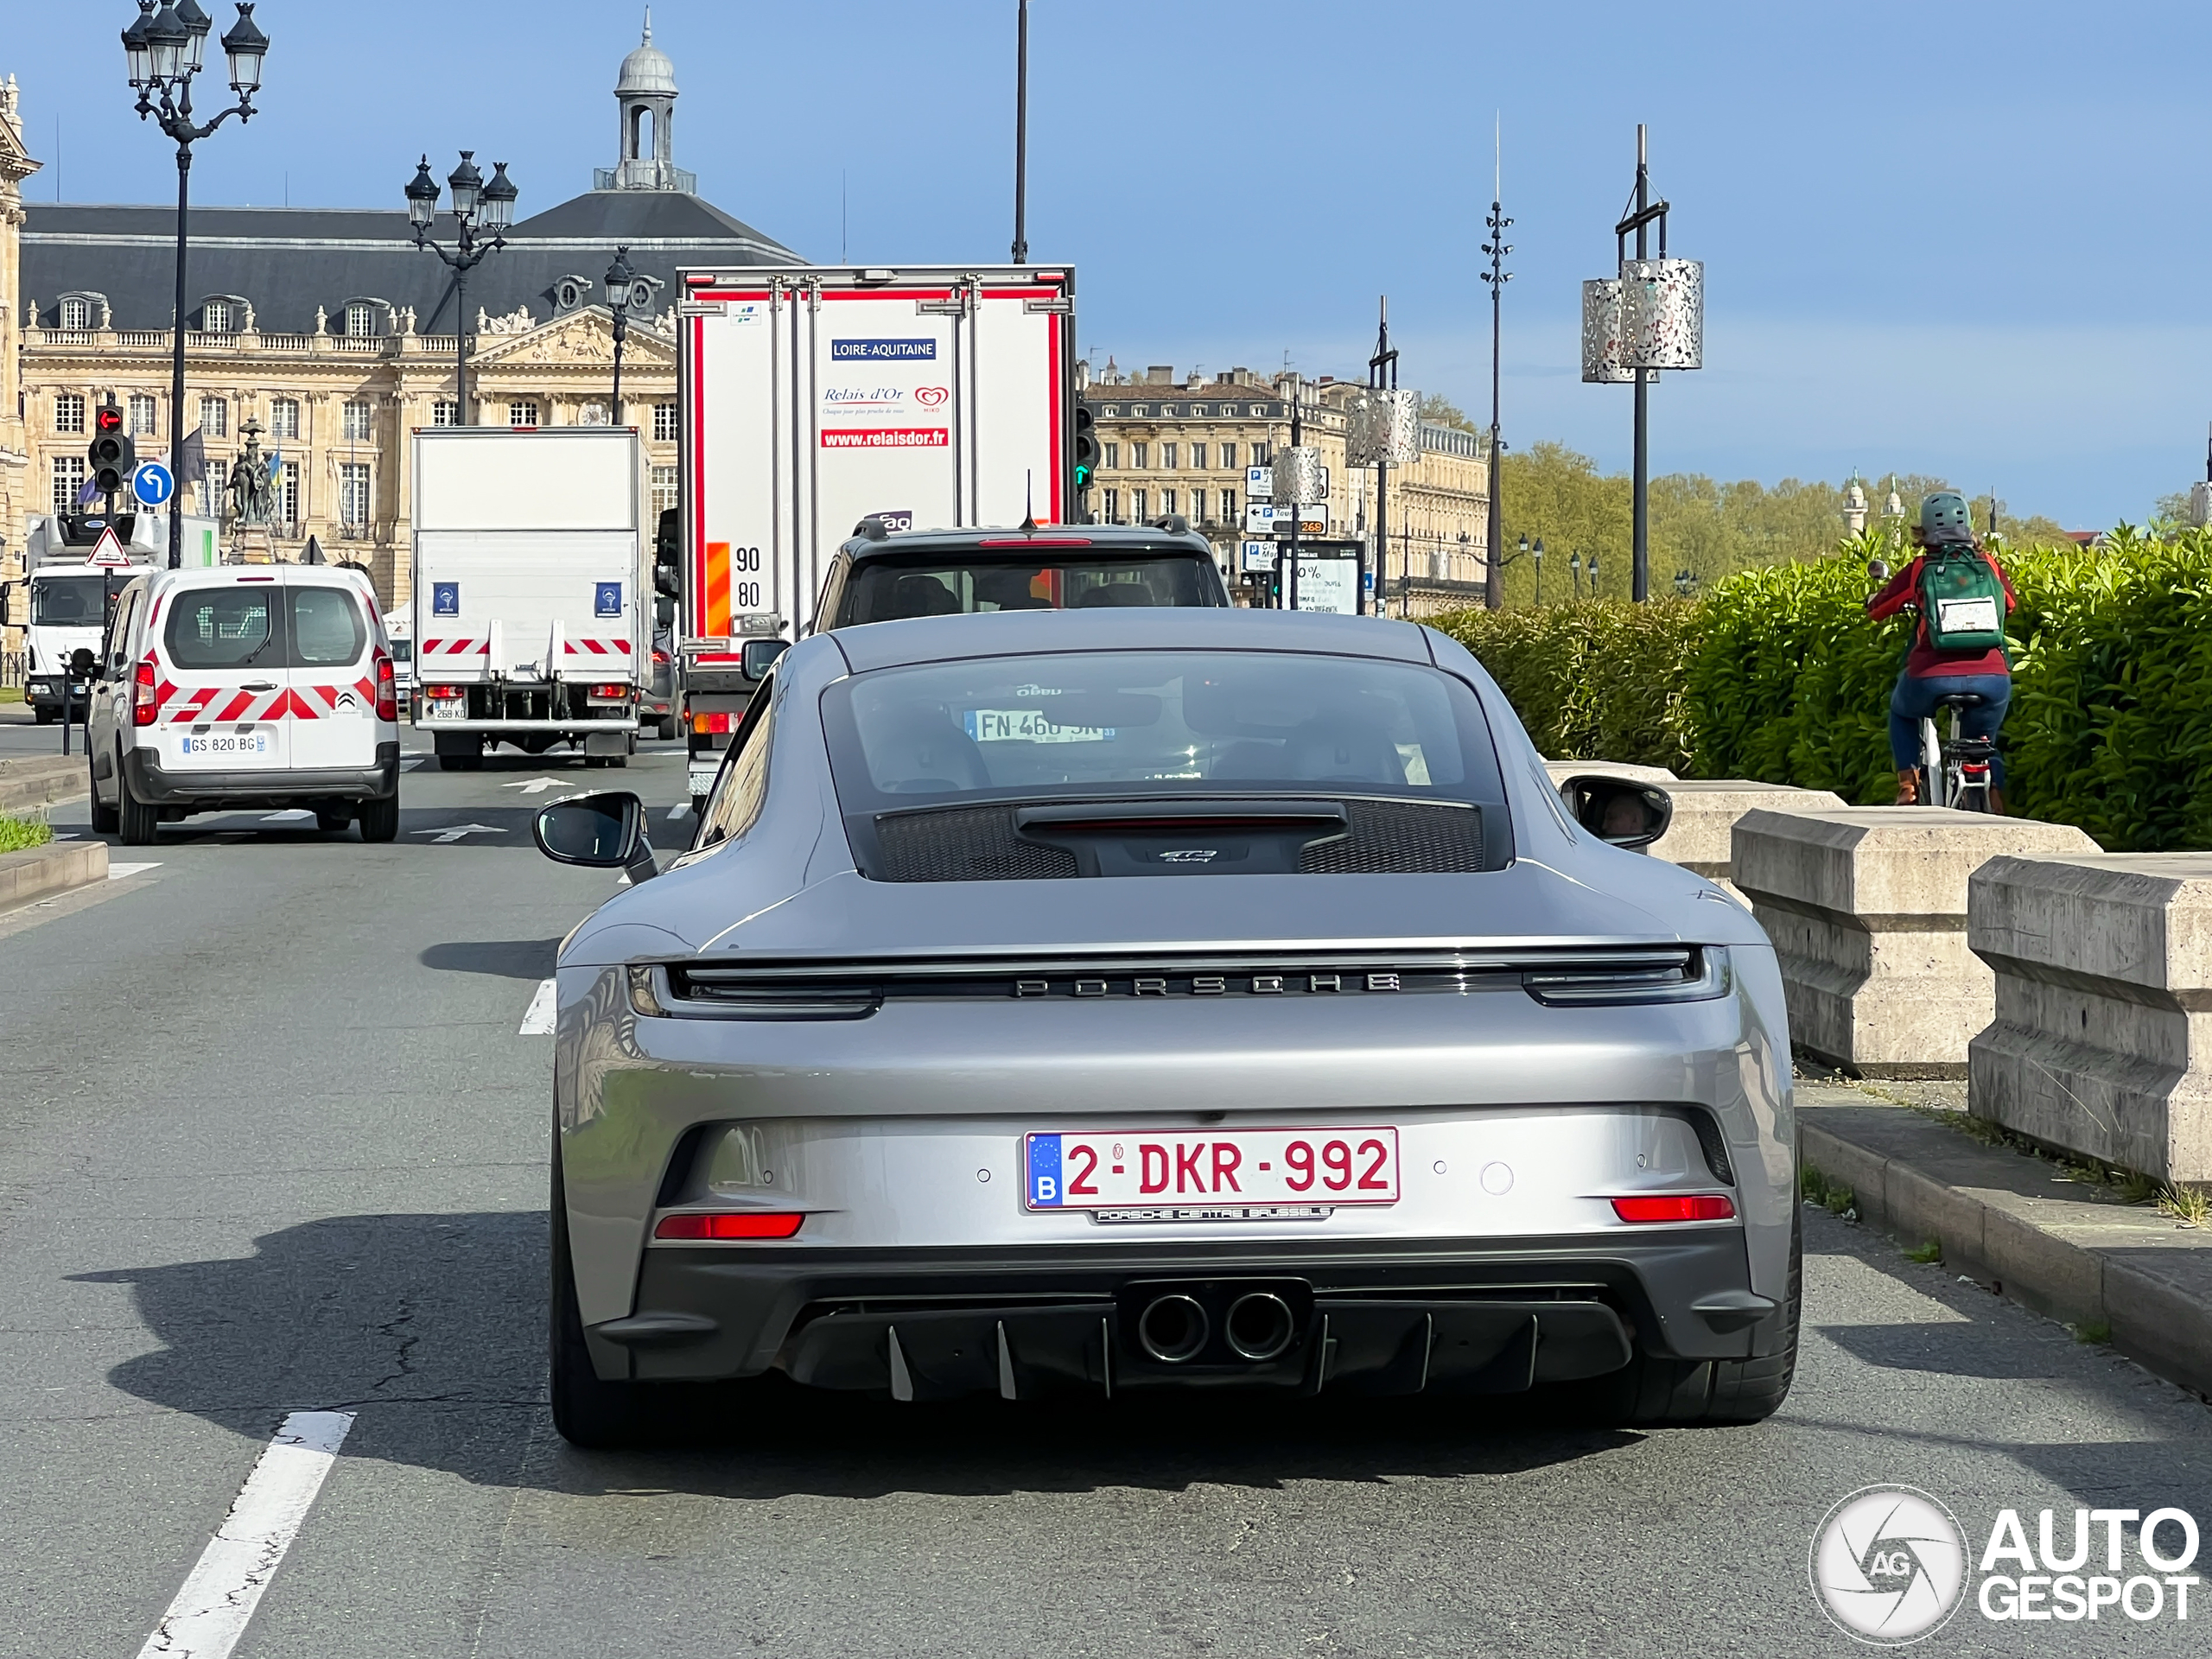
point(118, 872)
point(539, 1022)
point(218, 1600)
point(681, 811)
point(294, 816)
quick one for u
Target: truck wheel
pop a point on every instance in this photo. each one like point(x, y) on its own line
point(668, 729)
point(106, 821)
point(137, 819)
point(380, 820)
point(43, 715)
point(331, 819)
point(449, 763)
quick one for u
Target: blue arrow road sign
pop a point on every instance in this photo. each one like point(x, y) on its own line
point(152, 484)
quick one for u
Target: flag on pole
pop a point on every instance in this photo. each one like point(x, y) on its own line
point(89, 494)
point(192, 461)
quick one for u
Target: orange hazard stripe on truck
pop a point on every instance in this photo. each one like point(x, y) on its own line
point(717, 609)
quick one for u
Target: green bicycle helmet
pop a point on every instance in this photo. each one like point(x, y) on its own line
point(1944, 517)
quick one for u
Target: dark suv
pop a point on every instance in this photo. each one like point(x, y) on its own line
point(881, 577)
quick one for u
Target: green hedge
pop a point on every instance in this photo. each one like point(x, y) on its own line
point(1775, 674)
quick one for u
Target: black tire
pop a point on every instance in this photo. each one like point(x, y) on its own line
point(331, 819)
point(136, 819)
point(586, 1411)
point(380, 819)
point(1653, 1392)
point(667, 729)
point(449, 763)
point(106, 819)
point(44, 716)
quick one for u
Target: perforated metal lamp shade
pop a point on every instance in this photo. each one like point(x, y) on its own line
point(1662, 313)
point(423, 197)
point(467, 185)
point(500, 198)
point(136, 50)
point(245, 45)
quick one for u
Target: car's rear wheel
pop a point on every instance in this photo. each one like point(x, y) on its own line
point(104, 819)
point(1652, 1391)
point(380, 819)
point(586, 1410)
point(136, 819)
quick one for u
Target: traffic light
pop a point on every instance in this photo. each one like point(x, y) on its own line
point(114, 455)
point(1086, 449)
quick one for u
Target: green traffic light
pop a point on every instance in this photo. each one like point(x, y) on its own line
point(1082, 477)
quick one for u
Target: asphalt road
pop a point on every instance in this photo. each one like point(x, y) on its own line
point(271, 1140)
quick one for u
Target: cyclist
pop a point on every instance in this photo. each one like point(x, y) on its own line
point(1930, 673)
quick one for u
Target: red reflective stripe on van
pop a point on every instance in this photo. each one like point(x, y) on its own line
point(235, 707)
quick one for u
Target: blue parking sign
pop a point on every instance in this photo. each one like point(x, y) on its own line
point(608, 600)
point(445, 599)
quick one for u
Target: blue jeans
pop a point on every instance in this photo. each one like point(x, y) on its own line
point(1915, 699)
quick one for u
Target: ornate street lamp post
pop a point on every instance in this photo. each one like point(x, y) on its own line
point(626, 291)
point(165, 48)
point(482, 213)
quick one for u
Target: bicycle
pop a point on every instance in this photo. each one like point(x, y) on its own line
point(1956, 771)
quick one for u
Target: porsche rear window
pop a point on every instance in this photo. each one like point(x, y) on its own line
point(1163, 723)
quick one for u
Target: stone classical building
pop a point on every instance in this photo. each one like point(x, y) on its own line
point(332, 333)
point(1171, 445)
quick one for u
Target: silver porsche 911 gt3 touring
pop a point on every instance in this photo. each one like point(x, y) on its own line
point(1067, 1002)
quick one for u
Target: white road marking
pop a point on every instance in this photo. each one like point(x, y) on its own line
point(536, 786)
point(117, 872)
point(458, 831)
point(218, 1600)
point(292, 816)
point(682, 811)
point(539, 1022)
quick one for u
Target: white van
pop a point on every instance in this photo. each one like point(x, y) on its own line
point(399, 634)
point(246, 686)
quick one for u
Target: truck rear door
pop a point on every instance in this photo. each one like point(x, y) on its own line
point(221, 685)
point(333, 706)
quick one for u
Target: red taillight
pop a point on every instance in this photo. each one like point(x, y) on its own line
point(1677, 1207)
point(745, 1224)
point(144, 707)
point(614, 693)
point(442, 691)
point(711, 722)
point(387, 691)
point(659, 656)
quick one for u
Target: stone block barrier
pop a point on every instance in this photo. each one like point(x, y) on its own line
point(1703, 833)
point(2101, 1038)
point(1867, 910)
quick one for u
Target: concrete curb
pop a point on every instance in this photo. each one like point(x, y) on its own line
point(30, 786)
point(2143, 1276)
point(55, 867)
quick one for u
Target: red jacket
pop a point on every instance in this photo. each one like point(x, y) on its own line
point(1924, 661)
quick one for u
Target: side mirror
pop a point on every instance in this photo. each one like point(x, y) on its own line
point(761, 656)
point(11, 606)
point(1879, 568)
point(600, 832)
point(1629, 815)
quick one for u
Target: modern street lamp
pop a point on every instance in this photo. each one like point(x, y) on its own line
point(481, 214)
point(1498, 276)
point(625, 291)
point(164, 48)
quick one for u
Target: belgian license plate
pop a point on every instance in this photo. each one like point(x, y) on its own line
point(1220, 1173)
point(242, 744)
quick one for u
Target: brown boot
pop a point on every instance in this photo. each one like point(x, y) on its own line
point(1909, 788)
point(1997, 803)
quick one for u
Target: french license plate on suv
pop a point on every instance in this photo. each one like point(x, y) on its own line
point(1225, 1174)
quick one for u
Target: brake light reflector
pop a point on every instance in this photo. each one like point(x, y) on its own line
point(659, 656)
point(442, 691)
point(144, 707)
point(1677, 1207)
point(387, 689)
point(612, 693)
point(711, 722)
point(747, 1223)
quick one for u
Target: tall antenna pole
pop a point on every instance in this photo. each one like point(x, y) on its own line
point(1021, 141)
point(1498, 276)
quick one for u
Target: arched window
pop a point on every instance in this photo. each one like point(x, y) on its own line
point(360, 319)
point(76, 315)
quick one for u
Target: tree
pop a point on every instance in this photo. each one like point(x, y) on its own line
point(1438, 411)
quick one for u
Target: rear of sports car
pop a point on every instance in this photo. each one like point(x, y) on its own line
point(1177, 1022)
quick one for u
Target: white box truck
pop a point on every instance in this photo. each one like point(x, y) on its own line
point(813, 398)
point(75, 569)
point(528, 622)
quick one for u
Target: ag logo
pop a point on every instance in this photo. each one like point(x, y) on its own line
point(931, 397)
point(1889, 1565)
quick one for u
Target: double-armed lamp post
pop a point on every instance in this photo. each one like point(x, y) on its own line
point(481, 214)
point(166, 46)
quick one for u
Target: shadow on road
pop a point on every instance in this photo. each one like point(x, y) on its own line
point(411, 1320)
point(531, 959)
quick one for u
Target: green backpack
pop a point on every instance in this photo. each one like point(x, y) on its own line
point(1961, 597)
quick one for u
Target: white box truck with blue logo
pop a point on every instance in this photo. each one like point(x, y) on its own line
point(528, 627)
point(809, 398)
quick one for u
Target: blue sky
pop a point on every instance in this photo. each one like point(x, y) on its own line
point(1957, 237)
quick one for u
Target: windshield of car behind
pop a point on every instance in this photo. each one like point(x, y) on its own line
point(69, 602)
point(956, 584)
point(1158, 722)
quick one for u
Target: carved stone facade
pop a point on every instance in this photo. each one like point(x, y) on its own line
point(334, 334)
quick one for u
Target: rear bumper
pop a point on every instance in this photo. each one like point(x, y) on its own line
point(150, 783)
point(1405, 1317)
point(624, 719)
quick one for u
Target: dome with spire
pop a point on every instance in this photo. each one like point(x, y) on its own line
point(647, 71)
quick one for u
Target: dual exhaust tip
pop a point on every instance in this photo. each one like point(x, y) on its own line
point(1174, 1329)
